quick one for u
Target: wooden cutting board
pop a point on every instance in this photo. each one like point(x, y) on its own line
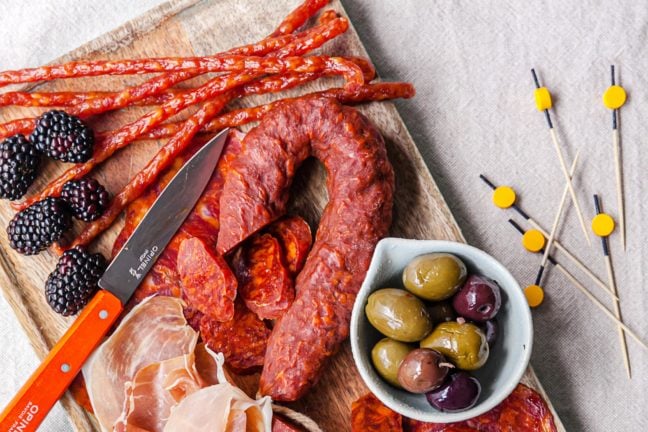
point(188, 27)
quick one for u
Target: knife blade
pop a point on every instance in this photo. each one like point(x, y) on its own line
point(55, 374)
point(161, 222)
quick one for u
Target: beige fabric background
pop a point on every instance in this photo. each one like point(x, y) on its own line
point(474, 113)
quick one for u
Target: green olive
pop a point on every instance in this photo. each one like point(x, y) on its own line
point(464, 344)
point(398, 314)
point(387, 356)
point(435, 276)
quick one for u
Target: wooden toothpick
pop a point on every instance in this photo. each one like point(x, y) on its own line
point(600, 305)
point(612, 282)
point(561, 159)
point(556, 222)
point(618, 167)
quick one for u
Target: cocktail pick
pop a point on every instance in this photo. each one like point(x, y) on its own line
point(544, 103)
point(537, 226)
point(613, 99)
point(611, 280)
point(535, 291)
point(556, 222)
point(587, 293)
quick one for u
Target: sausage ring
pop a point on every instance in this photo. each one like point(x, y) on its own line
point(360, 187)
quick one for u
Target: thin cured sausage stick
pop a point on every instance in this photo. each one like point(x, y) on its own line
point(367, 93)
point(299, 16)
point(53, 99)
point(68, 99)
point(225, 62)
point(214, 64)
point(243, 116)
point(268, 84)
point(97, 106)
point(301, 43)
point(328, 15)
point(297, 45)
point(125, 135)
point(14, 127)
point(368, 69)
point(313, 38)
point(130, 95)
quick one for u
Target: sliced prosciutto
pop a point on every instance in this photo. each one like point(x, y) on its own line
point(221, 407)
point(154, 331)
point(151, 376)
point(155, 389)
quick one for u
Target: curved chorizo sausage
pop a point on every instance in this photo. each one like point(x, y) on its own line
point(360, 188)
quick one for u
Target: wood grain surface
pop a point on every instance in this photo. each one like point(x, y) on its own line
point(188, 27)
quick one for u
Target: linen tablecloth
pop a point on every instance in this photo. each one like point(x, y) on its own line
point(474, 113)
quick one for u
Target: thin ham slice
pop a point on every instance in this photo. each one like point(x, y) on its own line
point(220, 408)
point(154, 331)
point(155, 389)
point(150, 376)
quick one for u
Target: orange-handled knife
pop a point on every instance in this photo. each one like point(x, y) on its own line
point(48, 383)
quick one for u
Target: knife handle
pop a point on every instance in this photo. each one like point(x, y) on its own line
point(55, 374)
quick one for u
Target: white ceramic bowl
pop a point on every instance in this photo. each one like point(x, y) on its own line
point(507, 361)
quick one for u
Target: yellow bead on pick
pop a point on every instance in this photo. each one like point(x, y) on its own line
point(614, 97)
point(533, 240)
point(504, 197)
point(603, 224)
point(534, 295)
point(542, 98)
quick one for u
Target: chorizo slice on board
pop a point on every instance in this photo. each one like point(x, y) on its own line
point(368, 414)
point(265, 284)
point(207, 281)
point(360, 187)
point(295, 236)
point(242, 340)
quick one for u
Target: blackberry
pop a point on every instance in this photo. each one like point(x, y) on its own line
point(74, 280)
point(87, 198)
point(63, 137)
point(19, 161)
point(38, 226)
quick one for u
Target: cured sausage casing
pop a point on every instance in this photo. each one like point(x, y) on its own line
point(360, 187)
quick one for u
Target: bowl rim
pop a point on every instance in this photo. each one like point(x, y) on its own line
point(514, 377)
